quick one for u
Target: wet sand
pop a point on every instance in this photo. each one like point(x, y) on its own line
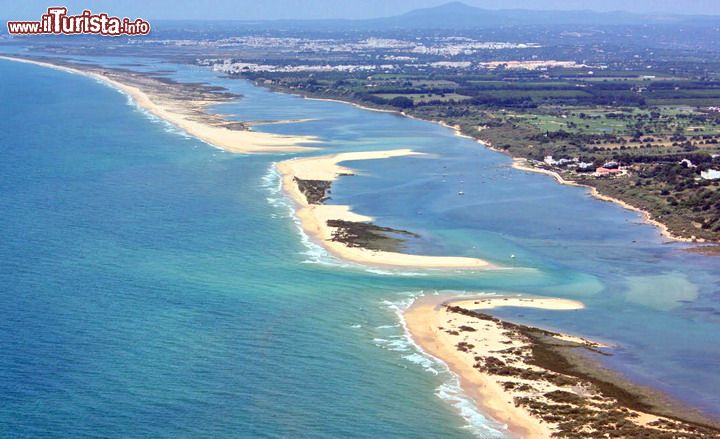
point(537, 382)
point(186, 107)
point(314, 217)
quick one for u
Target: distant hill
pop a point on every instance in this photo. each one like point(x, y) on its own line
point(459, 15)
point(456, 16)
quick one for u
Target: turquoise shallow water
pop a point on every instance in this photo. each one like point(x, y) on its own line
point(155, 286)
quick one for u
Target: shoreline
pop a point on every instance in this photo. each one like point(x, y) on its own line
point(340, 101)
point(248, 141)
point(212, 129)
point(521, 164)
point(189, 115)
point(647, 217)
point(487, 395)
point(527, 378)
point(252, 123)
point(314, 215)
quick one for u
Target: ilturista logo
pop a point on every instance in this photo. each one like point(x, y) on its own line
point(57, 22)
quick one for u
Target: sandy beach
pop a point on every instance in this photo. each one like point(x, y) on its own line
point(187, 114)
point(498, 368)
point(521, 164)
point(190, 115)
point(424, 320)
point(314, 217)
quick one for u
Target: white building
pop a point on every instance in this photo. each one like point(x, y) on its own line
point(687, 163)
point(710, 174)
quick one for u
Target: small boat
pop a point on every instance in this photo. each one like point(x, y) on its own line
point(461, 193)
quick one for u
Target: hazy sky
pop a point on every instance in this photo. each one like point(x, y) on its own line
point(272, 9)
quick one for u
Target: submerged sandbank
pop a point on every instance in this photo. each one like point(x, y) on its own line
point(315, 216)
point(540, 383)
point(185, 106)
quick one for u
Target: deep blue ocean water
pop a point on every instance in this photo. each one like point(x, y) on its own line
point(155, 286)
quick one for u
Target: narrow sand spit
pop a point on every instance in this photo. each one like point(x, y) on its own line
point(539, 382)
point(314, 217)
point(188, 114)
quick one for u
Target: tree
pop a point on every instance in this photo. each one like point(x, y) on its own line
point(402, 102)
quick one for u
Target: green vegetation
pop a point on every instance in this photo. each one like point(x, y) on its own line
point(605, 407)
point(647, 122)
point(423, 98)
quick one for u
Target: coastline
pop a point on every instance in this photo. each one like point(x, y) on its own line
point(647, 217)
point(455, 128)
point(189, 115)
point(534, 380)
point(314, 216)
point(334, 171)
point(340, 101)
point(521, 164)
point(421, 320)
point(247, 141)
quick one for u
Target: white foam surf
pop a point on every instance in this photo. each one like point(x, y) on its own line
point(314, 253)
point(450, 390)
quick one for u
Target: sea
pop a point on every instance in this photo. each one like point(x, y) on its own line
point(155, 286)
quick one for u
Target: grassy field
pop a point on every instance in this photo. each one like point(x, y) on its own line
point(428, 97)
point(640, 99)
point(429, 83)
point(659, 122)
point(646, 124)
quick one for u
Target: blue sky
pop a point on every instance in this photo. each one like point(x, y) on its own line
point(273, 9)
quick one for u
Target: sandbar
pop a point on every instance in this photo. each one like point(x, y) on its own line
point(538, 382)
point(189, 113)
point(314, 217)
